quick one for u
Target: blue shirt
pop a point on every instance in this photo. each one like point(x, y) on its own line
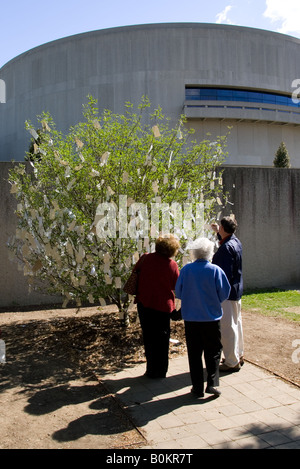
point(229, 258)
point(202, 287)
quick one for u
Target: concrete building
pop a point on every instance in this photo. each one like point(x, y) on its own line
point(217, 75)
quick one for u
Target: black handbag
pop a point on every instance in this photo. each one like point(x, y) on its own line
point(131, 285)
point(176, 315)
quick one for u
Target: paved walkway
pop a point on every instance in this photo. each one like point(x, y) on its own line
point(256, 409)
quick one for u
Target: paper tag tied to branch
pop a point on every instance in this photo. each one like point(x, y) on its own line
point(156, 131)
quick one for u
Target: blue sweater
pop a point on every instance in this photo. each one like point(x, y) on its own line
point(202, 287)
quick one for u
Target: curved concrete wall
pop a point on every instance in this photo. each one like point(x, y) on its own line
point(123, 64)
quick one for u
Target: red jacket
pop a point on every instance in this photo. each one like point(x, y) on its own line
point(157, 279)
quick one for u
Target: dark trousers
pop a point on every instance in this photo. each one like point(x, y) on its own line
point(203, 337)
point(156, 336)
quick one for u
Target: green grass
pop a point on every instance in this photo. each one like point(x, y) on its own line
point(273, 302)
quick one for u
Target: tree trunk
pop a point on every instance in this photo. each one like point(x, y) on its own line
point(124, 317)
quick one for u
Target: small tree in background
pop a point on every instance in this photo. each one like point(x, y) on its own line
point(282, 159)
point(84, 208)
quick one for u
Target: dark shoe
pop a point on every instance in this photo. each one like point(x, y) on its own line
point(242, 361)
point(212, 390)
point(197, 393)
point(229, 369)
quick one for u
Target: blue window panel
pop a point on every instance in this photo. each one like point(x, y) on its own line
point(281, 100)
point(291, 103)
point(257, 96)
point(243, 95)
point(208, 95)
point(268, 99)
point(223, 94)
point(227, 92)
point(192, 93)
point(216, 106)
point(208, 92)
point(226, 98)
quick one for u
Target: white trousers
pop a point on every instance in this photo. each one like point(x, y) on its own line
point(232, 332)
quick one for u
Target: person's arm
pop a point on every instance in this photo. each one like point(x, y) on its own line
point(178, 286)
point(175, 275)
point(223, 285)
point(223, 258)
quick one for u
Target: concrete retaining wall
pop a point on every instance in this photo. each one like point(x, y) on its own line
point(266, 203)
point(267, 208)
point(13, 284)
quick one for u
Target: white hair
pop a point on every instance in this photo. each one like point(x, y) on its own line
point(202, 248)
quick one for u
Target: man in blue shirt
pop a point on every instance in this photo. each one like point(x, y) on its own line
point(202, 287)
point(229, 258)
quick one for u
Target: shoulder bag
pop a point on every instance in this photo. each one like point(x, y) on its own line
point(131, 285)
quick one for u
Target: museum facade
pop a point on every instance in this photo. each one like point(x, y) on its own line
point(218, 76)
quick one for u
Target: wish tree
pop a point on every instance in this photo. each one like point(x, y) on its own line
point(91, 202)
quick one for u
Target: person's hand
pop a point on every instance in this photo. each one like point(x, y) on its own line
point(215, 227)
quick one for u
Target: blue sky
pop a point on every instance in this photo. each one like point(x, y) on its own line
point(30, 23)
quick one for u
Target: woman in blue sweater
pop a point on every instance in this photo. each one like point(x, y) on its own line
point(202, 287)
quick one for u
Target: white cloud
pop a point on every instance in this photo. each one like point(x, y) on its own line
point(222, 16)
point(286, 13)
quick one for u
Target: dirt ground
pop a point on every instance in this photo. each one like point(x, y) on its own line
point(51, 390)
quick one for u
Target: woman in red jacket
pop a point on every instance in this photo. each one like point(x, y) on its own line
point(155, 300)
